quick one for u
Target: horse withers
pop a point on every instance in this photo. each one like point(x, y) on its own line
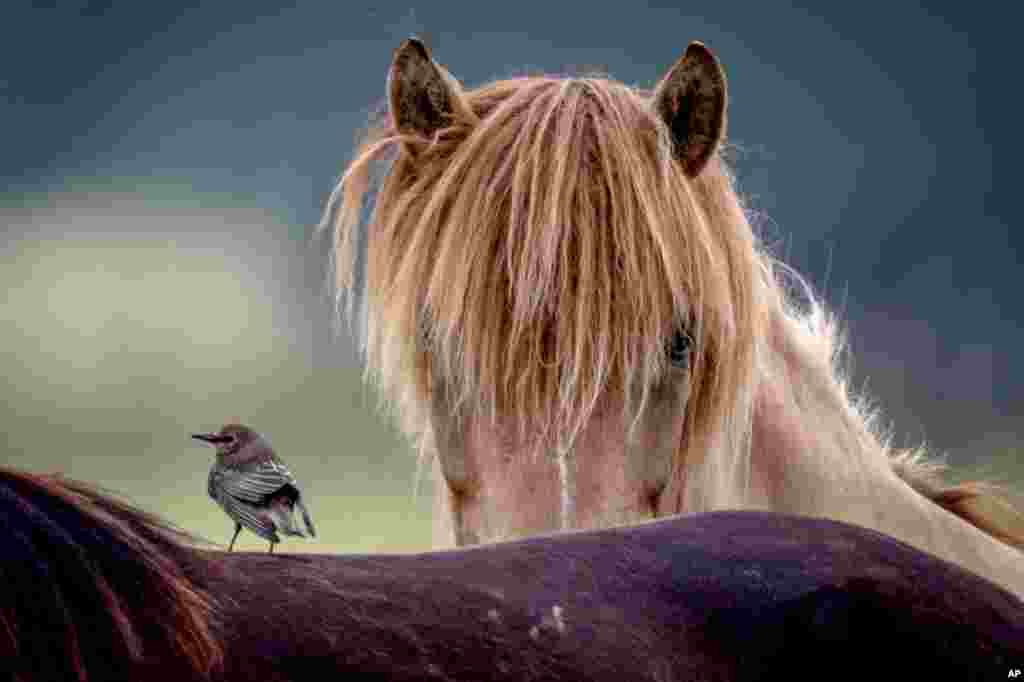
point(95, 589)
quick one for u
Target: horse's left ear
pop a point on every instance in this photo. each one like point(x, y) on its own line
point(691, 100)
point(422, 96)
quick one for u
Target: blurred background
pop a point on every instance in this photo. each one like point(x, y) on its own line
point(163, 167)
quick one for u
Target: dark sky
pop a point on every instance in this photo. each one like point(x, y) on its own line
point(879, 149)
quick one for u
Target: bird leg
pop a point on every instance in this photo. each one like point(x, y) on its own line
point(271, 550)
point(238, 529)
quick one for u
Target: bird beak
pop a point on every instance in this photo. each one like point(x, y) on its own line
point(208, 437)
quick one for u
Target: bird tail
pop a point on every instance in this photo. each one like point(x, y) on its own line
point(306, 517)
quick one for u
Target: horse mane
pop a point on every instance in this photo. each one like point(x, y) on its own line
point(983, 504)
point(488, 273)
point(488, 264)
point(94, 587)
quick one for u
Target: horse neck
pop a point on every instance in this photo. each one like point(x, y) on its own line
point(805, 425)
point(813, 451)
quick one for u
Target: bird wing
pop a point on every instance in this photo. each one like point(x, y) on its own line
point(255, 484)
point(249, 516)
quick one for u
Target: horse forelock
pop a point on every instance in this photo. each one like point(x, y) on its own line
point(107, 593)
point(539, 258)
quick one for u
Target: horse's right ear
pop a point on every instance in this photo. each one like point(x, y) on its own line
point(422, 96)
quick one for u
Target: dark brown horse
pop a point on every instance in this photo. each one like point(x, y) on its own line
point(94, 589)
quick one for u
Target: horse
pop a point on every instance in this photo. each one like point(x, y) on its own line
point(95, 588)
point(561, 297)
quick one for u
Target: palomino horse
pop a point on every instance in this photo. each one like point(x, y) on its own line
point(94, 589)
point(564, 301)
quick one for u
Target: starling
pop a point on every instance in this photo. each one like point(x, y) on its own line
point(253, 486)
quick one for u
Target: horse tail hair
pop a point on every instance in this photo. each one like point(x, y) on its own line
point(306, 517)
point(982, 504)
point(93, 588)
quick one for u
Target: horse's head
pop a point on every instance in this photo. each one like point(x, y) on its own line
point(560, 290)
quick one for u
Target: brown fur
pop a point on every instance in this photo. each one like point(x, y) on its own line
point(725, 596)
point(86, 546)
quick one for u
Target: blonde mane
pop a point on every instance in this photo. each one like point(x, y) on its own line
point(538, 253)
point(481, 239)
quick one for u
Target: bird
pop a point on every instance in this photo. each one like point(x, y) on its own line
point(253, 486)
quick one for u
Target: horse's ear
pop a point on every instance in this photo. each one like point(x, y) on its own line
point(691, 100)
point(422, 96)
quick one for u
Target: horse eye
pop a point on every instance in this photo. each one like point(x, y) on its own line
point(679, 349)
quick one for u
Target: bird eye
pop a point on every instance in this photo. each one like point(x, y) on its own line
point(679, 349)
